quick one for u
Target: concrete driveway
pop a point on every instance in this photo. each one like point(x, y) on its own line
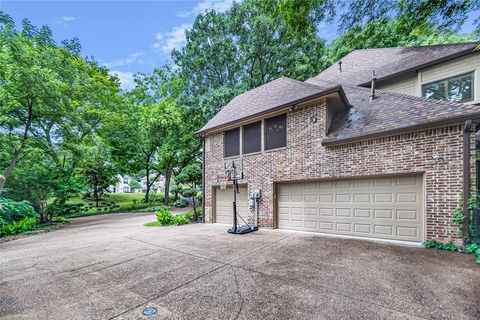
point(112, 267)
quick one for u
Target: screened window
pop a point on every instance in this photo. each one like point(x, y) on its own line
point(252, 137)
point(231, 142)
point(276, 132)
point(454, 89)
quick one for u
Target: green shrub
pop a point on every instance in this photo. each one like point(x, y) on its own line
point(473, 248)
point(60, 219)
point(181, 203)
point(23, 225)
point(164, 217)
point(152, 224)
point(67, 209)
point(180, 219)
point(434, 244)
point(11, 210)
point(188, 215)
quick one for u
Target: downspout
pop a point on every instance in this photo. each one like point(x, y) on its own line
point(203, 180)
point(466, 179)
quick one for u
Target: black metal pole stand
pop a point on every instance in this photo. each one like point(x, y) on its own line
point(235, 228)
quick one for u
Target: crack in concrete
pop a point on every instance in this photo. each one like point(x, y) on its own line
point(242, 301)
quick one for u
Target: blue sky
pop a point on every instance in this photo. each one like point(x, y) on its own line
point(127, 36)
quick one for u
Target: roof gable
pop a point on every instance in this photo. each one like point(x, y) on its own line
point(269, 97)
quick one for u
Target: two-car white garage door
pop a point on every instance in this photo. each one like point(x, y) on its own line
point(386, 207)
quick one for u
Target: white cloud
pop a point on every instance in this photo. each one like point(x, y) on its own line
point(68, 19)
point(217, 5)
point(205, 5)
point(126, 79)
point(131, 58)
point(174, 39)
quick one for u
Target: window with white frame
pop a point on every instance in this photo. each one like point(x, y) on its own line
point(453, 89)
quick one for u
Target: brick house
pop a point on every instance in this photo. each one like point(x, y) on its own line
point(334, 155)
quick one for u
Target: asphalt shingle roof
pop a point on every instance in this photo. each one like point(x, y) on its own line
point(389, 111)
point(274, 94)
point(358, 65)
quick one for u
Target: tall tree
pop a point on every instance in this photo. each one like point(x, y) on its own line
point(228, 53)
point(411, 15)
point(192, 176)
point(140, 134)
point(97, 169)
point(386, 33)
point(50, 97)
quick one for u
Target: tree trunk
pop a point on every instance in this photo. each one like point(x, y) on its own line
point(8, 170)
point(168, 177)
point(96, 194)
point(147, 195)
point(16, 154)
point(195, 217)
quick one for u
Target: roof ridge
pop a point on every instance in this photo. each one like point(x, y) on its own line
point(305, 83)
point(421, 46)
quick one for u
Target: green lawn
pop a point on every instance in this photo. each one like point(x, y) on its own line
point(123, 202)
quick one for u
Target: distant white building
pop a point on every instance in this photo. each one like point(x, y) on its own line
point(158, 185)
point(124, 183)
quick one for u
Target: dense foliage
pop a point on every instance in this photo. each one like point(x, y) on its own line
point(16, 216)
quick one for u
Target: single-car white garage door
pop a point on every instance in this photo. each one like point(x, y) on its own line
point(384, 207)
point(224, 206)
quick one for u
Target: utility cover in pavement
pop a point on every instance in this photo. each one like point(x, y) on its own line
point(149, 311)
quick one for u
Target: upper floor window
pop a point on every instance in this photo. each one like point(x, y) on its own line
point(252, 137)
point(454, 89)
point(276, 132)
point(231, 143)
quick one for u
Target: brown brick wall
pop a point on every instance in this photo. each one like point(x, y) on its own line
point(436, 153)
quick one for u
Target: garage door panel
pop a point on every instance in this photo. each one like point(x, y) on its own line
point(361, 213)
point(390, 207)
point(361, 183)
point(325, 198)
point(407, 215)
point(383, 182)
point(383, 213)
point(361, 198)
point(224, 206)
point(326, 226)
point(342, 212)
point(362, 228)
